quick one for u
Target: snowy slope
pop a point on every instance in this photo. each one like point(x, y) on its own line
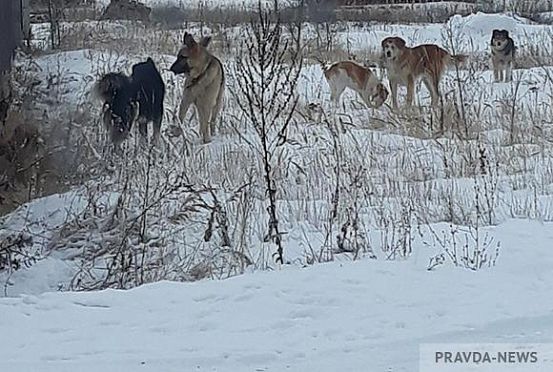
point(361, 316)
point(467, 34)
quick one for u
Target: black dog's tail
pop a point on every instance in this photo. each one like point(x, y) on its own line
point(107, 87)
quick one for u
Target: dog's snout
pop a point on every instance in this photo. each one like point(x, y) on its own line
point(388, 54)
point(173, 68)
point(180, 66)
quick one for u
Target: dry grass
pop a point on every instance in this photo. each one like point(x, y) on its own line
point(352, 182)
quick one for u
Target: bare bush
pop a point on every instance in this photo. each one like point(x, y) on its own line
point(268, 75)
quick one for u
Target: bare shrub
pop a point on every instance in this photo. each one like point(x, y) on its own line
point(267, 77)
point(467, 248)
point(22, 155)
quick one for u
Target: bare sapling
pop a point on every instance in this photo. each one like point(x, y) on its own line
point(267, 76)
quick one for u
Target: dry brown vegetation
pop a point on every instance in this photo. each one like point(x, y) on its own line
point(346, 182)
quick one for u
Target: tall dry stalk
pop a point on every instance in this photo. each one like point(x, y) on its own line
point(267, 76)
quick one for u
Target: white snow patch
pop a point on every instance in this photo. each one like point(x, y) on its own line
point(368, 315)
point(38, 221)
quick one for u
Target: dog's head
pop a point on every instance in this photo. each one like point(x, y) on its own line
point(118, 120)
point(191, 56)
point(110, 86)
point(379, 95)
point(500, 39)
point(144, 68)
point(392, 47)
point(120, 109)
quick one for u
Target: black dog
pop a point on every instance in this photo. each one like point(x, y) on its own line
point(126, 99)
point(150, 93)
point(120, 108)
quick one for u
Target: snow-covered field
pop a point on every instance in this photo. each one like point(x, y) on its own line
point(355, 316)
point(469, 34)
point(400, 228)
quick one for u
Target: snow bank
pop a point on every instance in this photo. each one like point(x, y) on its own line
point(38, 221)
point(361, 316)
point(482, 24)
point(471, 33)
point(49, 213)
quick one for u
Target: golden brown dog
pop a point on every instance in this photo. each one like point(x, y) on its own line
point(347, 74)
point(405, 65)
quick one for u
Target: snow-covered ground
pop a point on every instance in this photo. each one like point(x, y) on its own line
point(470, 34)
point(446, 234)
point(361, 316)
point(409, 167)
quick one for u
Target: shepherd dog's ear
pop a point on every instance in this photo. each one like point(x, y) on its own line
point(204, 41)
point(189, 40)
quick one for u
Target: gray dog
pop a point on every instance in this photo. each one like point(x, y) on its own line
point(503, 55)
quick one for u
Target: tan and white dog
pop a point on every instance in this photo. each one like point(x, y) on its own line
point(205, 83)
point(405, 65)
point(348, 74)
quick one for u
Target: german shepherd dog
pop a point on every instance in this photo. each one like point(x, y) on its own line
point(204, 85)
point(128, 98)
point(503, 55)
point(348, 74)
point(405, 65)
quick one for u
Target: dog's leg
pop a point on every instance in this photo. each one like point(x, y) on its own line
point(430, 84)
point(203, 118)
point(509, 71)
point(501, 73)
point(336, 91)
point(143, 129)
point(184, 106)
point(436, 90)
point(393, 90)
point(495, 72)
point(157, 129)
point(212, 123)
point(410, 90)
point(216, 110)
point(158, 109)
point(106, 119)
